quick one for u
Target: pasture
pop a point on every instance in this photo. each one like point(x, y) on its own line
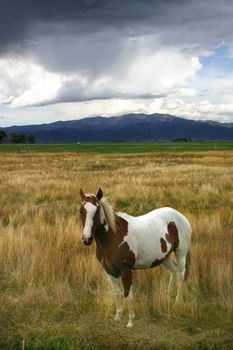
point(53, 292)
point(120, 147)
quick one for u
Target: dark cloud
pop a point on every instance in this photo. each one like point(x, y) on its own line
point(71, 96)
point(190, 21)
point(198, 22)
point(64, 34)
point(96, 40)
point(20, 19)
point(17, 18)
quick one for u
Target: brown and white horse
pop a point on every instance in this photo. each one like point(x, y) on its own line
point(125, 243)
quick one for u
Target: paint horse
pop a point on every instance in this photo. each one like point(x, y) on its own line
point(125, 243)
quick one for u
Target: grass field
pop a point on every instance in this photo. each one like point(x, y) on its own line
point(125, 147)
point(53, 292)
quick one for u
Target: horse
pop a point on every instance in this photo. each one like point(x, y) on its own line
point(125, 243)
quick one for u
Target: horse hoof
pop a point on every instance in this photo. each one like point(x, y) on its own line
point(130, 324)
point(179, 301)
point(117, 318)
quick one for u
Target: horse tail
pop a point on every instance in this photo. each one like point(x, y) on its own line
point(187, 264)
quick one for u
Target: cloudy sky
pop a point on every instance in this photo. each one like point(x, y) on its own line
point(68, 59)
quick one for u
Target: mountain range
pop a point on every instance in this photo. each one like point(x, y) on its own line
point(128, 127)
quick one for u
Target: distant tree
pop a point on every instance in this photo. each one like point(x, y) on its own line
point(31, 139)
point(22, 138)
point(17, 138)
point(184, 139)
point(13, 137)
point(119, 140)
point(2, 135)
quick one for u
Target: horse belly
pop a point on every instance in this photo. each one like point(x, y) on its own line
point(147, 255)
point(149, 249)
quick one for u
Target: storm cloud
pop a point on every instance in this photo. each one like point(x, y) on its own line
point(58, 51)
point(202, 21)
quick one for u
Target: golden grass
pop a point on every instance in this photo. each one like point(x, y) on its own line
point(53, 292)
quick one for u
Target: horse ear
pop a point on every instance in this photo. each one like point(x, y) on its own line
point(82, 195)
point(99, 194)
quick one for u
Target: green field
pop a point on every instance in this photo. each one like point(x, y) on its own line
point(126, 147)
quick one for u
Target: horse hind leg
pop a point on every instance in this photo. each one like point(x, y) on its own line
point(183, 261)
point(187, 264)
point(171, 265)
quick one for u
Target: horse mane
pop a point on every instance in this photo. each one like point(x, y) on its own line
point(109, 213)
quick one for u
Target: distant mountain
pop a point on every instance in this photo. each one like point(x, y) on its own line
point(128, 127)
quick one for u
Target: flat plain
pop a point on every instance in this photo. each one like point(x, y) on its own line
point(120, 147)
point(53, 292)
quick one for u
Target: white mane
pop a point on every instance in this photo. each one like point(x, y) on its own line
point(109, 214)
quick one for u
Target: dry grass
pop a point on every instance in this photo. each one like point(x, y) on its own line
point(54, 294)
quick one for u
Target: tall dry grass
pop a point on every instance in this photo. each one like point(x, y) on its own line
point(54, 294)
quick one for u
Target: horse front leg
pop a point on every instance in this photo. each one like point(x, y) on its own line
point(116, 287)
point(127, 280)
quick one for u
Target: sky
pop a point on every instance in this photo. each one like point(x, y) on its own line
point(69, 59)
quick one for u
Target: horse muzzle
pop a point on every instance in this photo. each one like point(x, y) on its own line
point(87, 241)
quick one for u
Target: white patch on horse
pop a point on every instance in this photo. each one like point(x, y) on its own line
point(90, 213)
point(145, 232)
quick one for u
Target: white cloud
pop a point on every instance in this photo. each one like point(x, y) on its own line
point(185, 92)
point(159, 71)
point(44, 88)
point(149, 73)
point(124, 82)
point(199, 110)
point(109, 107)
point(24, 83)
point(202, 110)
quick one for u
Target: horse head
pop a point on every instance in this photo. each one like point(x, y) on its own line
point(90, 214)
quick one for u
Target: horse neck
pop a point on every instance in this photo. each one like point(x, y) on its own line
point(103, 234)
point(106, 238)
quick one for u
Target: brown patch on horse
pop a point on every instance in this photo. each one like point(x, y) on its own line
point(91, 199)
point(158, 262)
point(112, 251)
point(127, 280)
point(172, 238)
point(163, 245)
point(172, 235)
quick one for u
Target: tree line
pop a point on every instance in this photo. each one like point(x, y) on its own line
point(13, 137)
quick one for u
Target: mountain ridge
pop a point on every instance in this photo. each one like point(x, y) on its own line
point(127, 127)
